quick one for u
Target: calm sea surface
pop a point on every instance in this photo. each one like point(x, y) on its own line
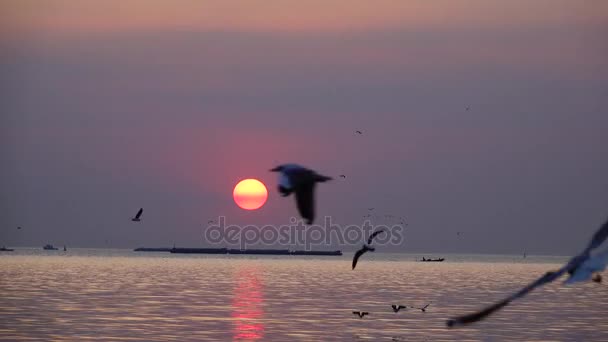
point(118, 295)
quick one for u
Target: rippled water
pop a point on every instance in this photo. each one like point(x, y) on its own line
point(120, 295)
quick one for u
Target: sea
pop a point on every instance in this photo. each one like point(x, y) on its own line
point(122, 295)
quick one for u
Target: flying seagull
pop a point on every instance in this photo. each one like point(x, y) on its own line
point(358, 132)
point(360, 313)
point(19, 227)
point(396, 308)
point(423, 309)
point(137, 217)
point(366, 247)
point(342, 176)
point(302, 181)
point(579, 268)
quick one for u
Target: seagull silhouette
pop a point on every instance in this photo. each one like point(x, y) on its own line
point(302, 181)
point(423, 309)
point(396, 308)
point(358, 132)
point(366, 248)
point(19, 227)
point(137, 217)
point(360, 313)
point(579, 268)
point(342, 176)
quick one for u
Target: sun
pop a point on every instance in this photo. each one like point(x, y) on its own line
point(250, 194)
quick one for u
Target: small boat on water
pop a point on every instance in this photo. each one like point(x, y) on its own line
point(4, 249)
point(432, 260)
point(49, 247)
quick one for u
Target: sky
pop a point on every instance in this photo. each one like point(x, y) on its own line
point(109, 106)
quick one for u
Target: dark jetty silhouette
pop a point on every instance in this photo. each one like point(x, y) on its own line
point(236, 251)
point(152, 249)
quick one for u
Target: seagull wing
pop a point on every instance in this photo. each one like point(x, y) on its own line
point(467, 319)
point(357, 256)
point(141, 210)
point(305, 199)
point(395, 307)
point(598, 238)
point(374, 234)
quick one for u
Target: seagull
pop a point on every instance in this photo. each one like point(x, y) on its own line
point(396, 308)
point(137, 217)
point(370, 208)
point(423, 309)
point(579, 268)
point(210, 221)
point(366, 247)
point(298, 179)
point(358, 132)
point(19, 227)
point(360, 313)
point(342, 176)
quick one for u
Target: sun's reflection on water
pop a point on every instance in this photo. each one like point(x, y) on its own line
point(247, 310)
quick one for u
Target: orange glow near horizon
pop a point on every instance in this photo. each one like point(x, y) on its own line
point(250, 194)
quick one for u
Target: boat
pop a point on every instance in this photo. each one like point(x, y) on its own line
point(49, 247)
point(4, 249)
point(432, 260)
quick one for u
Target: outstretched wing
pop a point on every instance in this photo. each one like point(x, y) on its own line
point(357, 256)
point(546, 278)
point(305, 200)
point(141, 210)
point(374, 234)
point(599, 237)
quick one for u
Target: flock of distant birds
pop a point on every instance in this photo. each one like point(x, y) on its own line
point(301, 181)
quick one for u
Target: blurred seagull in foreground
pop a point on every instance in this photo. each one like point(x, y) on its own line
point(580, 268)
point(302, 181)
point(366, 247)
point(137, 217)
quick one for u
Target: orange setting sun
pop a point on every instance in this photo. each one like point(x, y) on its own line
point(250, 194)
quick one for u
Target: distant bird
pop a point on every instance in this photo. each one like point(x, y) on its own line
point(358, 132)
point(580, 268)
point(137, 217)
point(302, 181)
point(468, 108)
point(210, 221)
point(423, 309)
point(19, 227)
point(396, 308)
point(370, 208)
point(366, 248)
point(342, 176)
point(360, 313)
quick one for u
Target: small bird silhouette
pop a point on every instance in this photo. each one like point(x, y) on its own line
point(210, 221)
point(19, 227)
point(366, 248)
point(137, 217)
point(360, 313)
point(358, 132)
point(342, 176)
point(396, 308)
point(423, 309)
